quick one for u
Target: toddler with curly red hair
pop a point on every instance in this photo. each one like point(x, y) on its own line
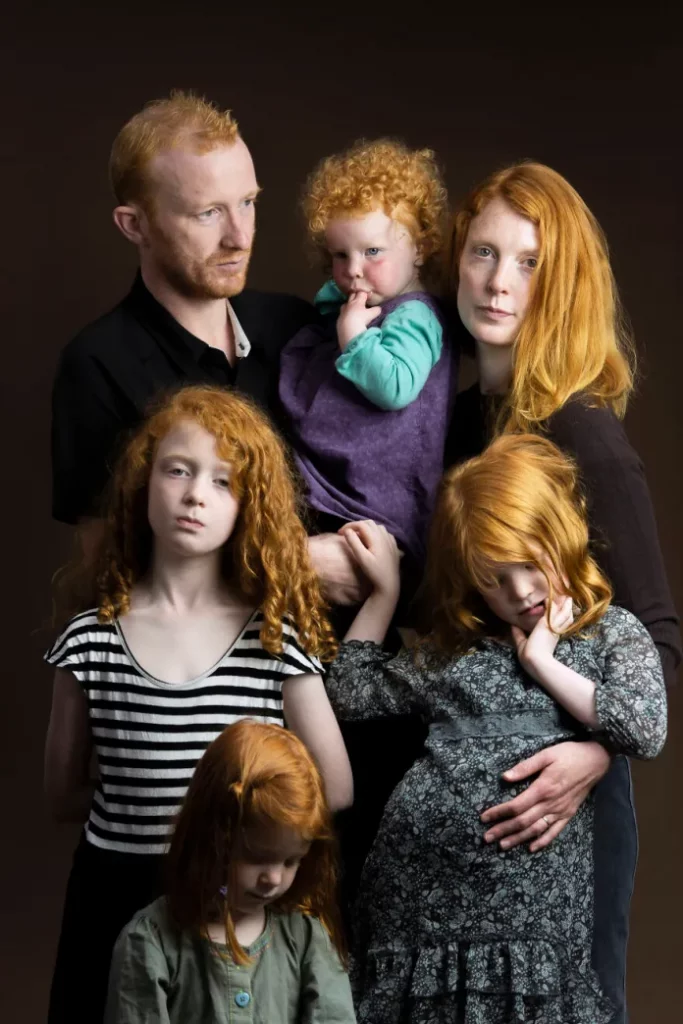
point(368, 391)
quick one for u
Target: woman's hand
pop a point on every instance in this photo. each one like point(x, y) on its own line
point(567, 774)
point(535, 649)
point(354, 318)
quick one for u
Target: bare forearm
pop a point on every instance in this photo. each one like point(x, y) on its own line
point(374, 618)
point(574, 692)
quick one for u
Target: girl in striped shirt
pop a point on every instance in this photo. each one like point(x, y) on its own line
point(205, 610)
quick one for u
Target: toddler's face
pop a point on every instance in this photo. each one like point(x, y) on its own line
point(520, 593)
point(373, 254)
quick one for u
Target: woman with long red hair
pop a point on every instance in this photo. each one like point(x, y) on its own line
point(530, 270)
point(249, 921)
point(201, 608)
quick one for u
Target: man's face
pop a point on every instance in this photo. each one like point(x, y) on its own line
point(199, 227)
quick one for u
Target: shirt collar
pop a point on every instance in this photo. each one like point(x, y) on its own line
point(150, 309)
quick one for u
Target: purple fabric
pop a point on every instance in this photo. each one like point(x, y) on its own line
point(361, 462)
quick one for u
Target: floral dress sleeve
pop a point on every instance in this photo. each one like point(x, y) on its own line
point(630, 701)
point(366, 682)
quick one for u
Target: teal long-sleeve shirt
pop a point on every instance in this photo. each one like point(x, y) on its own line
point(388, 364)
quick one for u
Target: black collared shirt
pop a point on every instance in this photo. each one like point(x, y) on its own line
point(113, 370)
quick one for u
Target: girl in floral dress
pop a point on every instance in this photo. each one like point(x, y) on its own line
point(524, 651)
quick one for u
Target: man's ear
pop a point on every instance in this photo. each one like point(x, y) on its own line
point(131, 222)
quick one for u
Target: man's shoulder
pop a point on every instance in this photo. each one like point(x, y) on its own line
point(109, 333)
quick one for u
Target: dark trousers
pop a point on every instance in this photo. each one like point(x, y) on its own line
point(105, 889)
point(615, 852)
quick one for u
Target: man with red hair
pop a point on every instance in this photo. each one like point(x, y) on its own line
point(186, 190)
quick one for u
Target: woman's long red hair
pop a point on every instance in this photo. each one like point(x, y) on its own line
point(574, 338)
point(253, 774)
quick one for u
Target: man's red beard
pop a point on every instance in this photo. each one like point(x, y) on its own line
point(201, 280)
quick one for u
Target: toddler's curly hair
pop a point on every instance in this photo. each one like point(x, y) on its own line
point(383, 174)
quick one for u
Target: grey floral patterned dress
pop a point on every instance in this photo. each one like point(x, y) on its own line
point(448, 928)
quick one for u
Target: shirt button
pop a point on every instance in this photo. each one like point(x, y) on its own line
point(242, 998)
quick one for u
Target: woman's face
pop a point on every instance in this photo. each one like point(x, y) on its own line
point(496, 268)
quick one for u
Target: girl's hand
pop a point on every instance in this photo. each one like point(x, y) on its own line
point(354, 318)
point(376, 552)
point(539, 646)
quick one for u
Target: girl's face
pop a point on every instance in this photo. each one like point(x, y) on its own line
point(264, 864)
point(373, 254)
point(191, 508)
point(496, 268)
point(520, 593)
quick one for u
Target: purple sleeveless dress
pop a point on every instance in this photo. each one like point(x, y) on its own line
point(359, 461)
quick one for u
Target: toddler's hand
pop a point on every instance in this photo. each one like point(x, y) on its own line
point(376, 552)
point(354, 318)
point(536, 648)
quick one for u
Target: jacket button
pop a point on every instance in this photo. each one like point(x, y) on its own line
point(242, 998)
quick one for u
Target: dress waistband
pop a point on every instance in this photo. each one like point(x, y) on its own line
point(513, 723)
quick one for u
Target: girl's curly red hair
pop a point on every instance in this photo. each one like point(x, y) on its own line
point(267, 555)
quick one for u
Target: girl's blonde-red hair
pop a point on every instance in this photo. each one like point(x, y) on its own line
point(252, 775)
point(519, 501)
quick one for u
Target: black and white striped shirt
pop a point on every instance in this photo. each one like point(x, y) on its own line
point(149, 734)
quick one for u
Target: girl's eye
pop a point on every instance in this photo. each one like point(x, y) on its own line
point(177, 471)
point(373, 251)
point(293, 862)
point(483, 250)
point(223, 482)
point(338, 255)
point(531, 262)
point(208, 214)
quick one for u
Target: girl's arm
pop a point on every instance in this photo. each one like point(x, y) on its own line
point(364, 681)
point(139, 978)
point(325, 989)
point(536, 653)
point(388, 364)
point(376, 552)
point(68, 748)
point(308, 713)
point(629, 704)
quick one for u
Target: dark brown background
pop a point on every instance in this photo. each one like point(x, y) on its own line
point(594, 94)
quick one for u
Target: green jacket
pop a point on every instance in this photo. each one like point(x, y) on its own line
point(162, 976)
